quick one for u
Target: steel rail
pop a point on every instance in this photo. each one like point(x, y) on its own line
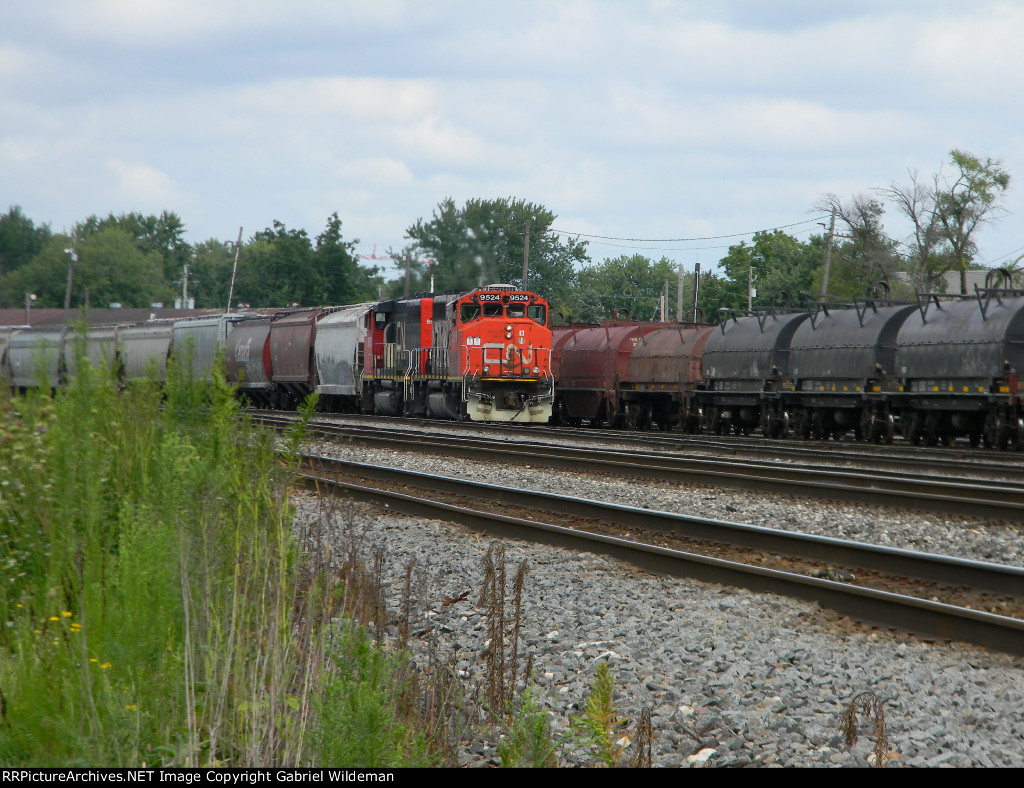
point(956, 459)
point(998, 578)
point(993, 499)
point(930, 620)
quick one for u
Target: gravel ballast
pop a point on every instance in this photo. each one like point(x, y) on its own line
point(759, 679)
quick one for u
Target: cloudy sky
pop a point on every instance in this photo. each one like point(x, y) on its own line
point(638, 120)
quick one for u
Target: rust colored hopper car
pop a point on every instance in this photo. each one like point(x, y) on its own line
point(627, 373)
point(247, 359)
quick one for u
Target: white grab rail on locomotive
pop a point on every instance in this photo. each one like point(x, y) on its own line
point(396, 360)
point(436, 367)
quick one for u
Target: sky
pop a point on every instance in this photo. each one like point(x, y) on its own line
point(689, 125)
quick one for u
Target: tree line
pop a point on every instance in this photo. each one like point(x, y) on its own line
point(137, 260)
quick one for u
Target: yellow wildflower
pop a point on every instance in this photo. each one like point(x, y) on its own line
point(93, 659)
point(131, 707)
point(105, 665)
point(66, 613)
point(54, 618)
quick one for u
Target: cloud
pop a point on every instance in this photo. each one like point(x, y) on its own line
point(654, 119)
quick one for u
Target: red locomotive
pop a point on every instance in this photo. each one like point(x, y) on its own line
point(484, 355)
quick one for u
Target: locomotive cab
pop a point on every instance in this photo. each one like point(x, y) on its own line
point(501, 337)
point(480, 356)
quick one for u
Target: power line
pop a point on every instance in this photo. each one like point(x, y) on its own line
point(1002, 257)
point(681, 240)
point(680, 248)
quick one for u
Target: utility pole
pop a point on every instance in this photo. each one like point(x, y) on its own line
point(679, 296)
point(828, 253)
point(696, 289)
point(73, 252)
point(234, 269)
point(751, 292)
point(526, 254)
point(29, 298)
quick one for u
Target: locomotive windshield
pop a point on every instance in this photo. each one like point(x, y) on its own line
point(472, 310)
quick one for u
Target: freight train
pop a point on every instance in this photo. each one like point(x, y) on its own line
point(930, 370)
point(482, 355)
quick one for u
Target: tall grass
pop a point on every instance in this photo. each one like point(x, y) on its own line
point(148, 608)
point(156, 608)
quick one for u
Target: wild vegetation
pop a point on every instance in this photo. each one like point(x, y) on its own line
point(160, 606)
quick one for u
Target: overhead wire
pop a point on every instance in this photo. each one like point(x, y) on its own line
point(685, 240)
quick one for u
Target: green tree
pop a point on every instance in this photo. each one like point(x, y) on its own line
point(281, 266)
point(483, 242)
point(209, 277)
point(340, 278)
point(163, 234)
point(633, 282)
point(780, 263)
point(968, 201)
point(110, 269)
point(276, 268)
point(869, 254)
point(20, 240)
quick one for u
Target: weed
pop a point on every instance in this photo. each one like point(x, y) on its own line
point(502, 654)
point(643, 737)
point(868, 706)
point(600, 727)
point(528, 741)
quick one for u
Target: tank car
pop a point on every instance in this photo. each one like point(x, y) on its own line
point(663, 376)
point(958, 358)
point(841, 366)
point(744, 363)
point(627, 374)
point(484, 355)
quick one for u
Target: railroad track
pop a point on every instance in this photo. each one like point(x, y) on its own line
point(998, 500)
point(958, 459)
point(514, 513)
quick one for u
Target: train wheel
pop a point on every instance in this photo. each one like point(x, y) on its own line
point(993, 431)
point(802, 425)
point(890, 429)
point(931, 429)
point(915, 429)
point(1018, 435)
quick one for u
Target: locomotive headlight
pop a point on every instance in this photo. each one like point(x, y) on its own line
point(486, 368)
point(536, 370)
point(508, 327)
